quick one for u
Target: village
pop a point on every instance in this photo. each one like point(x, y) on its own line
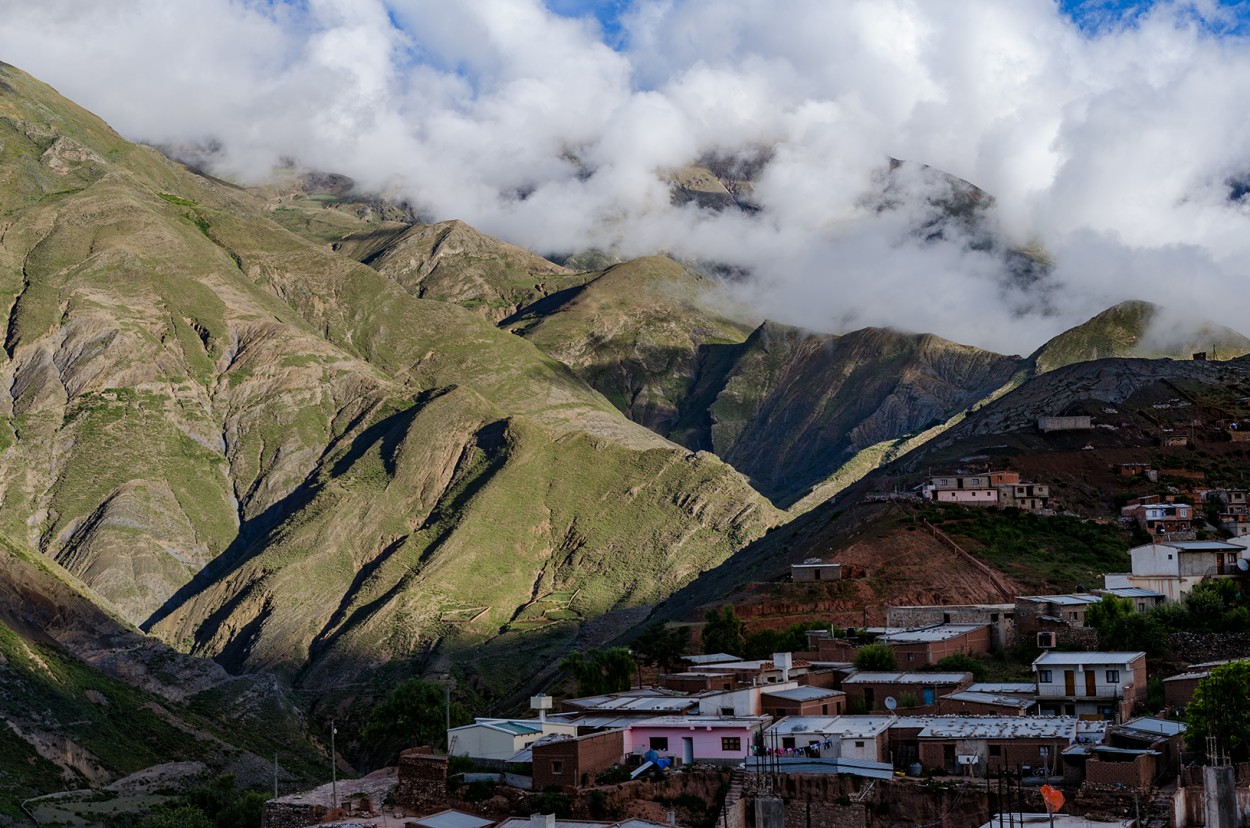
point(863, 726)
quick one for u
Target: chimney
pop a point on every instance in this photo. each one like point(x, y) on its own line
point(783, 662)
point(542, 704)
point(543, 821)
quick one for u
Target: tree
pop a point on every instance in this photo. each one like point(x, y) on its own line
point(185, 816)
point(600, 671)
point(1221, 708)
point(724, 632)
point(662, 645)
point(414, 713)
point(1121, 627)
point(962, 663)
point(875, 658)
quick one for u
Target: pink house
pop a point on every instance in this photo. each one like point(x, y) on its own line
point(689, 739)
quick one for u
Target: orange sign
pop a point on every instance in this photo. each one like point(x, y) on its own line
point(1053, 798)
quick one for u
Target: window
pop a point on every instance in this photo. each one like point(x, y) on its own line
point(911, 656)
point(1113, 677)
point(1043, 676)
point(557, 767)
point(996, 750)
point(859, 744)
point(728, 743)
point(726, 711)
point(659, 743)
point(824, 710)
point(787, 742)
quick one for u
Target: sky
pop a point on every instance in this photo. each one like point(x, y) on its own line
point(1111, 135)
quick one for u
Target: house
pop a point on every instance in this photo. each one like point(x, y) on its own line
point(802, 701)
point(1022, 819)
point(1030, 497)
point(1178, 690)
point(1076, 423)
point(1000, 618)
point(862, 738)
point(1036, 612)
point(868, 691)
point(1163, 517)
point(972, 702)
point(928, 645)
point(560, 761)
point(695, 738)
point(1173, 568)
point(1090, 685)
point(987, 745)
point(451, 818)
point(741, 701)
point(814, 569)
point(967, 490)
point(550, 821)
point(1142, 599)
point(500, 739)
point(643, 706)
point(733, 672)
point(1164, 737)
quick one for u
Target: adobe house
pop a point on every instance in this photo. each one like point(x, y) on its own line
point(1000, 618)
point(802, 701)
point(917, 692)
point(814, 569)
point(928, 645)
point(576, 761)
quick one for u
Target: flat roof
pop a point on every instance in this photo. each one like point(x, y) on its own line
point(803, 693)
point(906, 678)
point(999, 699)
point(1003, 687)
point(854, 727)
point(452, 818)
point(940, 632)
point(1069, 600)
point(1049, 821)
point(813, 565)
point(792, 764)
point(710, 658)
point(645, 704)
point(694, 722)
point(1000, 727)
point(1098, 657)
point(1159, 727)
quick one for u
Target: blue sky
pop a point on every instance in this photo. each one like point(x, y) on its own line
point(1220, 17)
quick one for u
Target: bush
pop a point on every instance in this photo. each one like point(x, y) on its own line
point(875, 658)
point(962, 663)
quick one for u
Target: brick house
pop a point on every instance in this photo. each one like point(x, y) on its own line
point(576, 761)
point(918, 692)
point(977, 745)
point(977, 703)
point(1000, 618)
point(928, 645)
point(802, 701)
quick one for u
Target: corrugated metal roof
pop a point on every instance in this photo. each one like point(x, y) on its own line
point(1055, 658)
point(1003, 687)
point(804, 693)
point(998, 699)
point(941, 632)
point(1160, 727)
point(905, 678)
point(853, 767)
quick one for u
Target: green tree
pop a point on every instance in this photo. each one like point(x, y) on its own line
point(1221, 708)
point(662, 645)
point(1121, 627)
point(724, 632)
point(600, 671)
point(875, 658)
point(962, 663)
point(413, 714)
point(184, 816)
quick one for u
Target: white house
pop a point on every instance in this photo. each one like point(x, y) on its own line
point(831, 737)
point(501, 739)
point(1102, 684)
point(1175, 567)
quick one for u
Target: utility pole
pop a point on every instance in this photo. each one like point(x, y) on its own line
point(275, 774)
point(334, 771)
point(447, 712)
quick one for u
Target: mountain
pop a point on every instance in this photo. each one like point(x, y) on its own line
point(266, 452)
point(1139, 329)
point(88, 699)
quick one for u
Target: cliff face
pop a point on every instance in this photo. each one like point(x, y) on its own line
point(270, 453)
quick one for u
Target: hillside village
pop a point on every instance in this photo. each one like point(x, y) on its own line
point(863, 723)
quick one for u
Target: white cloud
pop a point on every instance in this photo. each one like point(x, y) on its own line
point(1113, 151)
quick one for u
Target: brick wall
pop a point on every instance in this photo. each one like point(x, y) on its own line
point(577, 761)
point(1139, 773)
point(1177, 694)
point(1012, 753)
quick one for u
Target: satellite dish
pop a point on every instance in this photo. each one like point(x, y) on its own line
point(1243, 564)
point(890, 703)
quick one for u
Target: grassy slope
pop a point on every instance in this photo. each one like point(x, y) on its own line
point(353, 459)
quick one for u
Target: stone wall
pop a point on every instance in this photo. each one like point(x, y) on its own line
point(422, 779)
point(1198, 648)
point(291, 815)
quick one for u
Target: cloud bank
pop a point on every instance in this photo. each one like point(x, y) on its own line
point(1117, 151)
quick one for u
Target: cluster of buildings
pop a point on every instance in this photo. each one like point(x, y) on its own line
point(814, 716)
point(995, 488)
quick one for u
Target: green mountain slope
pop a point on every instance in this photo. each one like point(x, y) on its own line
point(273, 453)
point(1139, 329)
